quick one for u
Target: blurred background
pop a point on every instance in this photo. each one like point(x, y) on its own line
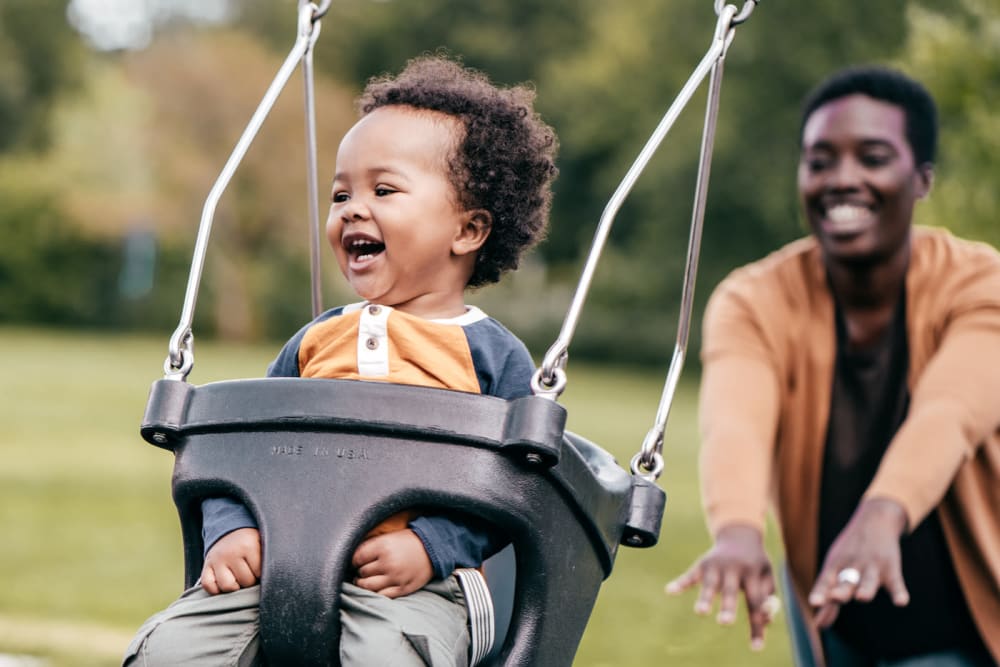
point(117, 115)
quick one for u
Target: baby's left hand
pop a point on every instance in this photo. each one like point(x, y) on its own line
point(392, 564)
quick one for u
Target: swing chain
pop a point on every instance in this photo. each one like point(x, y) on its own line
point(545, 381)
point(743, 15)
point(648, 463)
point(180, 357)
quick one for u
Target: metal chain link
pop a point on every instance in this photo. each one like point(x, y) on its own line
point(557, 355)
point(648, 462)
point(320, 12)
point(311, 28)
point(743, 15)
point(550, 379)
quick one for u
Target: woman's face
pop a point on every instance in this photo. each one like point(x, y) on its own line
point(858, 179)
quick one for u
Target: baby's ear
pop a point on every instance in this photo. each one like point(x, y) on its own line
point(476, 227)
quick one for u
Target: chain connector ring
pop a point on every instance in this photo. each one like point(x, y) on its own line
point(651, 473)
point(550, 388)
point(320, 11)
point(743, 15)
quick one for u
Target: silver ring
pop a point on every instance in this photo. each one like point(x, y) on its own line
point(771, 606)
point(849, 575)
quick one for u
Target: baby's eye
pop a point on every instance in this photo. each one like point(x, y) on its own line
point(339, 197)
point(382, 191)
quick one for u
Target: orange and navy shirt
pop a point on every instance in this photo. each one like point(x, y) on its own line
point(471, 352)
point(362, 341)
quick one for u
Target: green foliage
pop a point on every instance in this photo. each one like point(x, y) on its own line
point(49, 270)
point(605, 74)
point(39, 58)
point(958, 56)
point(52, 271)
point(605, 77)
point(361, 38)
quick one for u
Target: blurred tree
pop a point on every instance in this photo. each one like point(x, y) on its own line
point(614, 87)
point(39, 57)
point(50, 271)
point(957, 54)
point(143, 147)
point(605, 76)
point(509, 39)
point(204, 89)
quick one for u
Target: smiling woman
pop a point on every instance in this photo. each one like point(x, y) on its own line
point(873, 349)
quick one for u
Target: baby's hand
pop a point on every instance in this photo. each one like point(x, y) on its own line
point(233, 562)
point(392, 564)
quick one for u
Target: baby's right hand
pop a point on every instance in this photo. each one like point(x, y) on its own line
point(233, 562)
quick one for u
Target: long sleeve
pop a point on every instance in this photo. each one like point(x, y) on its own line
point(738, 413)
point(452, 542)
point(220, 516)
point(954, 406)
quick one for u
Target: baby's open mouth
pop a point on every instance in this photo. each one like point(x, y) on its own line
point(363, 249)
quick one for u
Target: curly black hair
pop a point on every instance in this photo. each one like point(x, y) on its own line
point(504, 163)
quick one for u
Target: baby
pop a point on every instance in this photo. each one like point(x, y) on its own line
point(441, 186)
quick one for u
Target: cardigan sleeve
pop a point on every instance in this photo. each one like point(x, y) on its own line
point(954, 406)
point(738, 410)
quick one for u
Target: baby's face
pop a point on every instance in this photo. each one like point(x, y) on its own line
point(394, 214)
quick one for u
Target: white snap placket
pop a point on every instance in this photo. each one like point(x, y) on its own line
point(373, 341)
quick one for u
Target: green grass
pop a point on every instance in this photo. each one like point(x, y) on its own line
point(89, 540)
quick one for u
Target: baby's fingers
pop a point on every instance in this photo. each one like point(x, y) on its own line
point(208, 580)
point(219, 579)
point(374, 584)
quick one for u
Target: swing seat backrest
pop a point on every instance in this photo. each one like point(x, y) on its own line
point(320, 462)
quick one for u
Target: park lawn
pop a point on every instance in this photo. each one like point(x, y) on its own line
point(89, 540)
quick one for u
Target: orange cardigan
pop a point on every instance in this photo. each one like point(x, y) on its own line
point(769, 345)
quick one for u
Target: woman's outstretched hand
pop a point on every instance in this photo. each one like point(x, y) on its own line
point(863, 558)
point(736, 562)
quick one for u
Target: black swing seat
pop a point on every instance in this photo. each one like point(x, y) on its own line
point(320, 462)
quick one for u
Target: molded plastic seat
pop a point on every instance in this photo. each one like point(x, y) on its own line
point(320, 462)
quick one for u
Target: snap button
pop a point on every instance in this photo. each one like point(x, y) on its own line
point(374, 310)
point(371, 343)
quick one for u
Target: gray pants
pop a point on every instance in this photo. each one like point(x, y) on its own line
point(427, 628)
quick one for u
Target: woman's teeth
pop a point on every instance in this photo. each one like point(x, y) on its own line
point(844, 218)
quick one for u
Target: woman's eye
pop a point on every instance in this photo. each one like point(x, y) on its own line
point(875, 159)
point(817, 164)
